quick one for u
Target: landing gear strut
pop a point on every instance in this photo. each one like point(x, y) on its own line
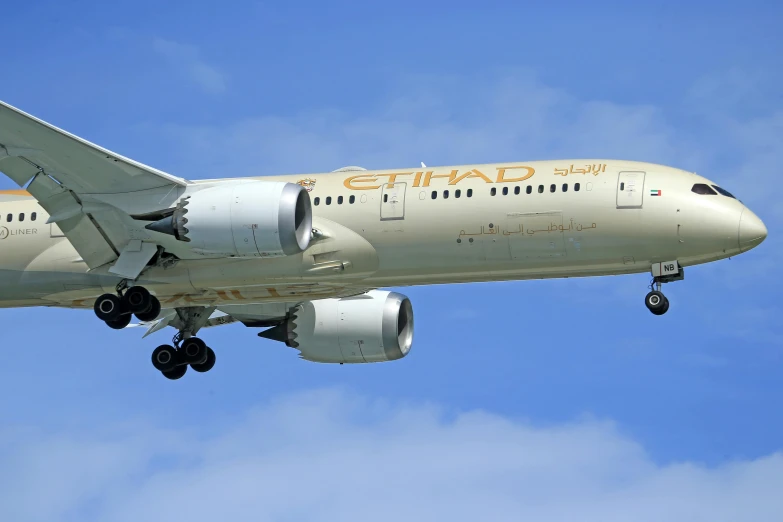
point(116, 310)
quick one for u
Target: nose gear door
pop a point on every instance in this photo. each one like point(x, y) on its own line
point(630, 189)
point(393, 201)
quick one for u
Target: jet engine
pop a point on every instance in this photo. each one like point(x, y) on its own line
point(373, 327)
point(246, 219)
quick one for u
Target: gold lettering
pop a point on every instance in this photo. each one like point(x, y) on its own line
point(356, 179)
point(502, 172)
point(393, 177)
point(429, 175)
point(475, 173)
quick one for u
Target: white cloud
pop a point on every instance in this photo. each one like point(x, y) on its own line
point(512, 117)
point(328, 455)
point(188, 58)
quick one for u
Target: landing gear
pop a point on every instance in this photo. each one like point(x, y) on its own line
point(176, 373)
point(656, 302)
point(207, 364)
point(119, 323)
point(137, 299)
point(108, 307)
point(116, 310)
point(173, 362)
point(667, 272)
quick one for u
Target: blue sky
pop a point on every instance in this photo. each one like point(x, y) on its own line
point(545, 399)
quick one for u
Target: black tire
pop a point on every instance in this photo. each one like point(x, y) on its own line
point(665, 306)
point(176, 373)
point(194, 350)
point(165, 358)
point(655, 302)
point(206, 365)
point(119, 323)
point(152, 312)
point(137, 299)
point(108, 307)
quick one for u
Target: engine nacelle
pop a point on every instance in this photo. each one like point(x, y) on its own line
point(244, 219)
point(373, 327)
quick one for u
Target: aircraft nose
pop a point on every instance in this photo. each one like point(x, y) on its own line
point(751, 231)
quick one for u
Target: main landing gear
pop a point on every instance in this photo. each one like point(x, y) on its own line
point(173, 361)
point(116, 310)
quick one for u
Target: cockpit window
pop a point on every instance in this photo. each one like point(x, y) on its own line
point(723, 192)
point(705, 190)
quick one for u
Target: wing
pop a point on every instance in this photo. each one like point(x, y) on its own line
point(86, 189)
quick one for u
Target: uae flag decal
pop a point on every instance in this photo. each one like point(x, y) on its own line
point(655, 192)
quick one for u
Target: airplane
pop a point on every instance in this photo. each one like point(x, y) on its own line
point(304, 258)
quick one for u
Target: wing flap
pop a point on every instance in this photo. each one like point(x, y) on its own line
point(16, 168)
point(81, 231)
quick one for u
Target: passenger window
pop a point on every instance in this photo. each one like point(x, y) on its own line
point(622, 186)
point(21, 217)
point(723, 192)
point(9, 217)
point(576, 187)
point(541, 189)
point(445, 194)
point(351, 199)
point(33, 216)
point(328, 200)
point(552, 187)
point(529, 189)
point(317, 201)
point(516, 190)
point(470, 193)
point(339, 200)
point(493, 191)
point(703, 189)
point(505, 191)
point(457, 193)
point(434, 194)
point(565, 187)
point(385, 198)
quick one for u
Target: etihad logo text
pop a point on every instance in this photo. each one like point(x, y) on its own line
point(424, 178)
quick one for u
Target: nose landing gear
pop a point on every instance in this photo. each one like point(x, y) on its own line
point(655, 301)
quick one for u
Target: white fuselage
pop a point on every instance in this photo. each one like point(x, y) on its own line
point(419, 226)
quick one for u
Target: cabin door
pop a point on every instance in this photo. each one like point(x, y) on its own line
point(630, 189)
point(393, 201)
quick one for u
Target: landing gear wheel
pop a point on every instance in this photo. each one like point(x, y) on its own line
point(165, 358)
point(656, 302)
point(119, 323)
point(206, 365)
point(108, 307)
point(137, 299)
point(176, 373)
point(152, 312)
point(195, 351)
